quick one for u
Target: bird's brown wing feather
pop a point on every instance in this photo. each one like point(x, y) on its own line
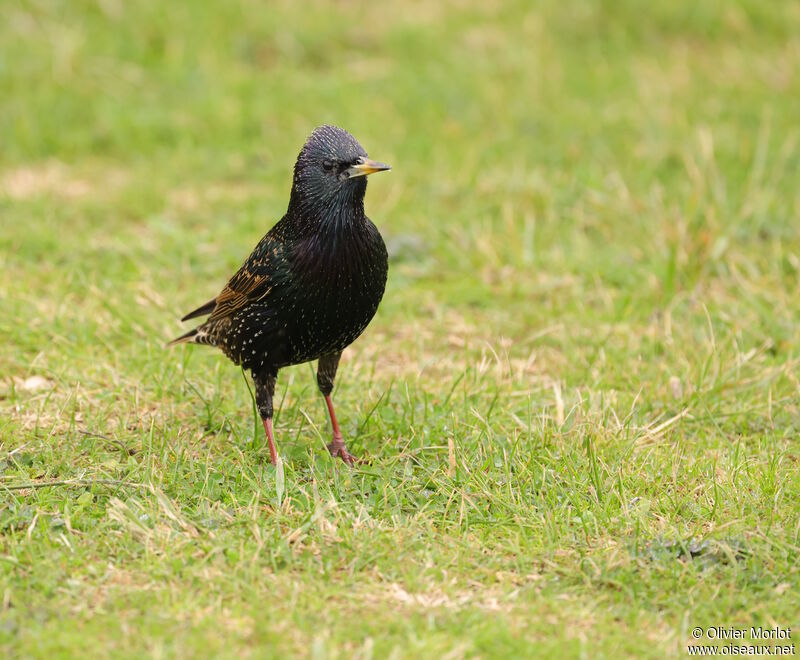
point(252, 282)
point(243, 288)
point(203, 310)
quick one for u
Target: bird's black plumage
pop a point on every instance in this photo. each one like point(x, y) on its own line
point(313, 282)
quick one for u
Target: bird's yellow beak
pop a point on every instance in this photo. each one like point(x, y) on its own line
point(366, 166)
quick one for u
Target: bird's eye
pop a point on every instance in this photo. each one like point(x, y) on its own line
point(327, 165)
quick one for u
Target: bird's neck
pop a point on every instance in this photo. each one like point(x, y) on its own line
point(339, 215)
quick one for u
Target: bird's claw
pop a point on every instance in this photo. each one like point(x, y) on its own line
point(338, 449)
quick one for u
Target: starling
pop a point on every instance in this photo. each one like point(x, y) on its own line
point(311, 285)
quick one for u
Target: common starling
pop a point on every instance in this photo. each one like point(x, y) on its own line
point(311, 285)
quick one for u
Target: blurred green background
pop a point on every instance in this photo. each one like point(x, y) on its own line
point(587, 353)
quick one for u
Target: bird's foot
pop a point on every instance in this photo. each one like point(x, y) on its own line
point(337, 448)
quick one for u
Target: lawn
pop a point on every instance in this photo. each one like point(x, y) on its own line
point(579, 399)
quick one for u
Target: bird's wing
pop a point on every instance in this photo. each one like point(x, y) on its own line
point(258, 276)
point(254, 281)
point(247, 286)
point(203, 310)
point(250, 282)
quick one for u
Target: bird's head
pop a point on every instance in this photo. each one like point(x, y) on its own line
point(331, 170)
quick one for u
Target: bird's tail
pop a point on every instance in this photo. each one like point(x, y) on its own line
point(186, 338)
point(199, 335)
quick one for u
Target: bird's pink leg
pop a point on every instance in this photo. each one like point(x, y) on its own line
point(273, 453)
point(336, 447)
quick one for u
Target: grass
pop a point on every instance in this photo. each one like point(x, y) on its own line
point(579, 398)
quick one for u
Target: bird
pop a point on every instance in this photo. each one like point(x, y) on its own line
point(311, 285)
